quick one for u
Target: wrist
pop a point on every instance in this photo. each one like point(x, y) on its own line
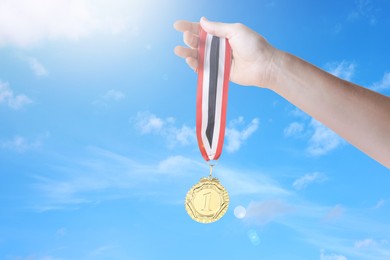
point(272, 71)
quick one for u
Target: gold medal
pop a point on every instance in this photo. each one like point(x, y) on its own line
point(207, 201)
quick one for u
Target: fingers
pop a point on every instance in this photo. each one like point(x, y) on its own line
point(223, 30)
point(193, 63)
point(190, 31)
point(190, 55)
point(183, 26)
point(186, 52)
point(190, 39)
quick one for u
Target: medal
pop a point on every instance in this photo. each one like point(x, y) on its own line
point(207, 201)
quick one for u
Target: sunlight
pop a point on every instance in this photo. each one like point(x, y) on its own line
point(26, 22)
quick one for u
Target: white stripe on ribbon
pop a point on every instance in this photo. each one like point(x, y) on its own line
point(205, 95)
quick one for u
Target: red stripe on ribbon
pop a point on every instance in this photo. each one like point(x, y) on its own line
point(201, 49)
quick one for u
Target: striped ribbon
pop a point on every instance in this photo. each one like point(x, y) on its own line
point(214, 57)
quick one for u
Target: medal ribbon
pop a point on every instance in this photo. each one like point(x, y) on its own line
point(214, 57)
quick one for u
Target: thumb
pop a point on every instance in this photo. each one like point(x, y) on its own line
point(223, 30)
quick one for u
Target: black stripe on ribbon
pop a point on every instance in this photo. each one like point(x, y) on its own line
point(213, 83)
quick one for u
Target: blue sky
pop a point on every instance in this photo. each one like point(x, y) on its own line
point(97, 142)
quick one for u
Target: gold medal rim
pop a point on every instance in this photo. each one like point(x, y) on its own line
point(224, 194)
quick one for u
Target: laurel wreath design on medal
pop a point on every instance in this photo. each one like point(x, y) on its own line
point(207, 201)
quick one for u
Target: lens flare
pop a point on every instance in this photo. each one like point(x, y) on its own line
point(240, 212)
point(253, 237)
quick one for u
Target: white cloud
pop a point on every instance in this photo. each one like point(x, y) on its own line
point(379, 204)
point(382, 85)
point(178, 164)
point(8, 97)
point(296, 112)
point(324, 256)
point(331, 235)
point(183, 136)
point(263, 212)
point(18, 101)
point(323, 140)
point(304, 181)
point(320, 139)
point(294, 129)
point(101, 251)
point(235, 137)
point(113, 94)
point(364, 9)
point(249, 183)
point(21, 144)
point(105, 175)
point(368, 242)
point(334, 213)
point(149, 123)
point(343, 69)
point(38, 69)
point(61, 232)
point(375, 248)
point(25, 22)
point(110, 96)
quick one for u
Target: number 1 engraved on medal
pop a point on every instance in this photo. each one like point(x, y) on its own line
point(207, 200)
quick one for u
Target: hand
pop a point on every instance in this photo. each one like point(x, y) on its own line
point(253, 60)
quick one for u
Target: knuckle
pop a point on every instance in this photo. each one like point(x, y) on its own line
point(239, 26)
